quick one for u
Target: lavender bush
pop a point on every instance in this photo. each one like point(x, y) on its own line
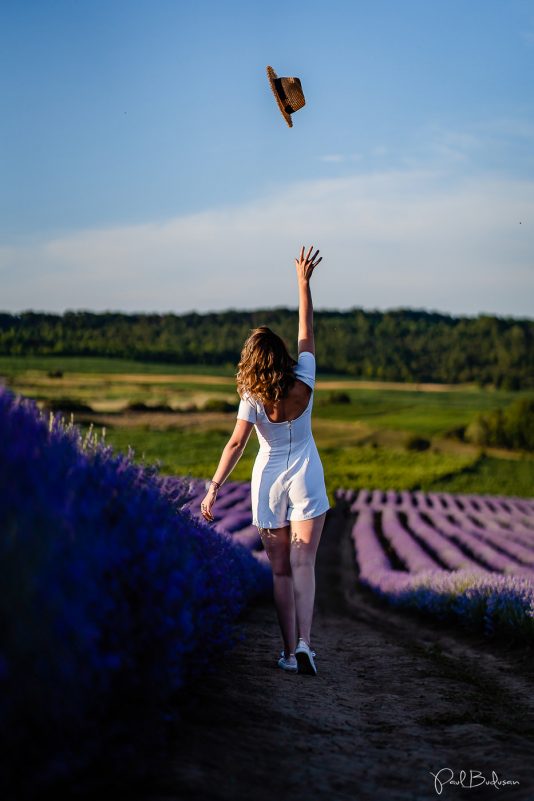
point(113, 597)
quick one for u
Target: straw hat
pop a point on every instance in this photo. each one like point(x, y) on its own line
point(287, 93)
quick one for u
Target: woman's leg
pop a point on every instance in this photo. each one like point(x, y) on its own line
point(276, 543)
point(305, 537)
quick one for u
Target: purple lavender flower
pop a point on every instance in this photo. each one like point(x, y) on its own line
point(463, 558)
point(113, 598)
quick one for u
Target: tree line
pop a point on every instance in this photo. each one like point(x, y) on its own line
point(395, 345)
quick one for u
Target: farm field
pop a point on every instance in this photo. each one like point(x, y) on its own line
point(188, 411)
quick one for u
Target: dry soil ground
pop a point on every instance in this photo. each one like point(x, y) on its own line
point(396, 699)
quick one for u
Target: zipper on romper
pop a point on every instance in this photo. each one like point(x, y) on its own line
point(289, 451)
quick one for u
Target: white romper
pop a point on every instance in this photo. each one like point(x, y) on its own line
point(287, 477)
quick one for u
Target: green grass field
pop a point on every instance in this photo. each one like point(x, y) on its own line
point(197, 453)
point(15, 365)
point(425, 413)
point(361, 442)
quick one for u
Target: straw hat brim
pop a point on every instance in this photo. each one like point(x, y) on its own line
point(271, 74)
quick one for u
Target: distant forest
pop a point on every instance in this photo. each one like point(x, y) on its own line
point(396, 345)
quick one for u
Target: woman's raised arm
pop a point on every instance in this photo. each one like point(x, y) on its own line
point(305, 267)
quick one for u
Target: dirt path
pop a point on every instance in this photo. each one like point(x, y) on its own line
point(395, 698)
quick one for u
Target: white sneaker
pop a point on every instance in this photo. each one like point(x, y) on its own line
point(288, 664)
point(304, 656)
point(282, 653)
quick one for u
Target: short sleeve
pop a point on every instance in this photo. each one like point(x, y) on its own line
point(305, 369)
point(247, 409)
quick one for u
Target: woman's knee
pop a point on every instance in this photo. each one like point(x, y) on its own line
point(279, 558)
point(302, 555)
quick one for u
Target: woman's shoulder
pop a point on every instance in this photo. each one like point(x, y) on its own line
point(248, 408)
point(251, 400)
point(305, 368)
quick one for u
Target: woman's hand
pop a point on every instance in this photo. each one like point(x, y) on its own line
point(207, 504)
point(305, 265)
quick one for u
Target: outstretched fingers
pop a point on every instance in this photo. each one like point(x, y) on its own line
point(306, 264)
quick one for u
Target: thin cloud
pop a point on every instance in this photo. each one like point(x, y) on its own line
point(338, 158)
point(389, 239)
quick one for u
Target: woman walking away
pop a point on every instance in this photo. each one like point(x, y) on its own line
point(289, 500)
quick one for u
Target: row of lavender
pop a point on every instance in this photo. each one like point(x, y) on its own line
point(232, 514)
point(499, 506)
point(463, 557)
point(114, 596)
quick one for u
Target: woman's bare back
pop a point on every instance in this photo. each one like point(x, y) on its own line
point(290, 407)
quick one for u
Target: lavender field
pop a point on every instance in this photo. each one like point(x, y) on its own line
point(468, 558)
point(117, 594)
point(114, 598)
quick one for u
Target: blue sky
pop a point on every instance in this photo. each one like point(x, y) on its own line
point(144, 165)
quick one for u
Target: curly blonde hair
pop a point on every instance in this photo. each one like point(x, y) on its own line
point(265, 369)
